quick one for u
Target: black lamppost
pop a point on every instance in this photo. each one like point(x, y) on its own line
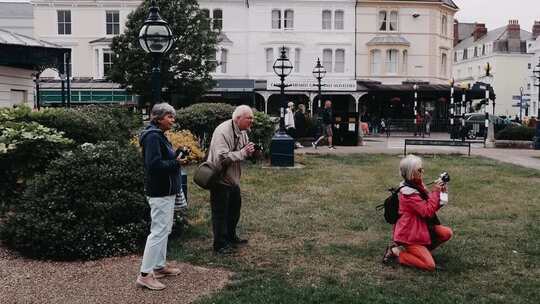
point(319, 72)
point(282, 146)
point(452, 110)
point(155, 38)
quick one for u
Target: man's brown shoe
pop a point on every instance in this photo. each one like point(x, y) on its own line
point(150, 282)
point(166, 271)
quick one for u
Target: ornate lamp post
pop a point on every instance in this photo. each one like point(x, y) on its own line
point(155, 38)
point(282, 146)
point(452, 129)
point(319, 72)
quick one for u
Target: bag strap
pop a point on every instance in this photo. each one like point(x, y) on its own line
point(392, 190)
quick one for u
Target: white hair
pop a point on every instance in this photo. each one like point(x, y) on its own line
point(241, 111)
point(409, 165)
point(160, 110)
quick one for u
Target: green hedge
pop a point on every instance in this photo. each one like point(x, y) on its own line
point(89, 204)
point(82, 124)
point(262, 131)
point(202, 119)
point(25, 149)
point(516, 133)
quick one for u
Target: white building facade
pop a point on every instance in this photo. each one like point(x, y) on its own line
point(505, 50)
point(400, 41)
point(533, 67)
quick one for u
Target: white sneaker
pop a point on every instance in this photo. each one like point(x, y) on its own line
point(314, 145)
point(331, 147)
point(299, 145)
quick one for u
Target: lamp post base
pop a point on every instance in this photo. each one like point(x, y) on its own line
point(282, 150)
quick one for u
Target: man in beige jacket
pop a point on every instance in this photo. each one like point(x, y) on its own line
point(229, 146)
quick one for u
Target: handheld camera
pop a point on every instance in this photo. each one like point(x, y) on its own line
point(183, 152)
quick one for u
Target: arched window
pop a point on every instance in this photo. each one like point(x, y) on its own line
point(392, 61)
point(338, 20)
point(375, 62)
point(276, 19)
point(327, 60)
point(217, 19)
point(269, 59)
point(289, 19)
point(340, 61)
point(444, 64)
point(444, 25)
point(224, 54)
point(297, 60)
point(326, 20)
point(393, 26)
point(405, 62)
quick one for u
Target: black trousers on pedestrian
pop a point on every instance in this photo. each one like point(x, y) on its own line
point(226, 203)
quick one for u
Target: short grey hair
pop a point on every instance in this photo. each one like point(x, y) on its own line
point(160, 110)
point(409, 165)
point(240, 111)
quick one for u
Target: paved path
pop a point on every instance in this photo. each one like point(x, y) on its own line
point(394, 145)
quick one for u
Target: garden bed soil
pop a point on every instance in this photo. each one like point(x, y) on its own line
point(513, 144)
point(110, 280)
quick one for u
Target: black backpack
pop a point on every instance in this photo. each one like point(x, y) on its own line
point(391, 206)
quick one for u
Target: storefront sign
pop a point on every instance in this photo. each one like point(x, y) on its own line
point(309, 85)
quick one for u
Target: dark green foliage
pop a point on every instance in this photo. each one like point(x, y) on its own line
point(185, 69)
point(89, 204)
point(91, 123)
point(516, 133)
point(25, 149)
point(262, 130)
point(202, 119)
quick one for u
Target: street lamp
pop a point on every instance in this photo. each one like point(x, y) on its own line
point(452, 129)
point(521, 104)
point(155, 38)
point(416, 127)
point(282, 67)
point(319, 72)
point(282, 146)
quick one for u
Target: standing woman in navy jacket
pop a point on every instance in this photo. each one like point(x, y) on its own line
point(161, 183)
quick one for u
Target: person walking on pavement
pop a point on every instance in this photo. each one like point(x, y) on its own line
point(327, 120)
point(290, 127)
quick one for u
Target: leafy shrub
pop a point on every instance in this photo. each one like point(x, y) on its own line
point(14, 114)
point(184, 138)
point(516, 133)
point(91, 123)
point(202, 119)
point(25, 149)
point(262, 130)
point(89, 204)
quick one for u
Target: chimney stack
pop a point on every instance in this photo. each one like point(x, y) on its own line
point(514, 36)
point(480, 31)
point(536, 29)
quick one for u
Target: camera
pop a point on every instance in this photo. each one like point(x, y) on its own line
point(444, 177)
point(183, 152)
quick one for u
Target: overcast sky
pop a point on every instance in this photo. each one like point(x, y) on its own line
point(496, 13)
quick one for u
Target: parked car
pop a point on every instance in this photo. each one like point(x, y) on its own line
point(475, 124)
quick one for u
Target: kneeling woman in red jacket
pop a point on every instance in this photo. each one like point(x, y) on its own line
point(417, 231)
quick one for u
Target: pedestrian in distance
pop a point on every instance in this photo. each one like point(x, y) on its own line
point(290, 124)
point(417, 231)
point(428, 118)
point(229, 146)
point(162, 184)
point(300, 121)
point(327, 125)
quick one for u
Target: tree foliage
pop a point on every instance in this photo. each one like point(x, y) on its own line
point(185, 69)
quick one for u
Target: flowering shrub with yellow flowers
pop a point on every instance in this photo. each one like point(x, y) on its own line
point(182, 139)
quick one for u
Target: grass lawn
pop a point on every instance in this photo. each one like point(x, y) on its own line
point(315, 236)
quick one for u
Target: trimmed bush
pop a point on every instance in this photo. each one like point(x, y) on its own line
point(25, 149)
point(91, 123)
point(516, 133)
point(202, 119)
point(262, 130)
point(89, 204)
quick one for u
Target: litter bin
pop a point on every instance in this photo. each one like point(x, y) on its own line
point(345, 128)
